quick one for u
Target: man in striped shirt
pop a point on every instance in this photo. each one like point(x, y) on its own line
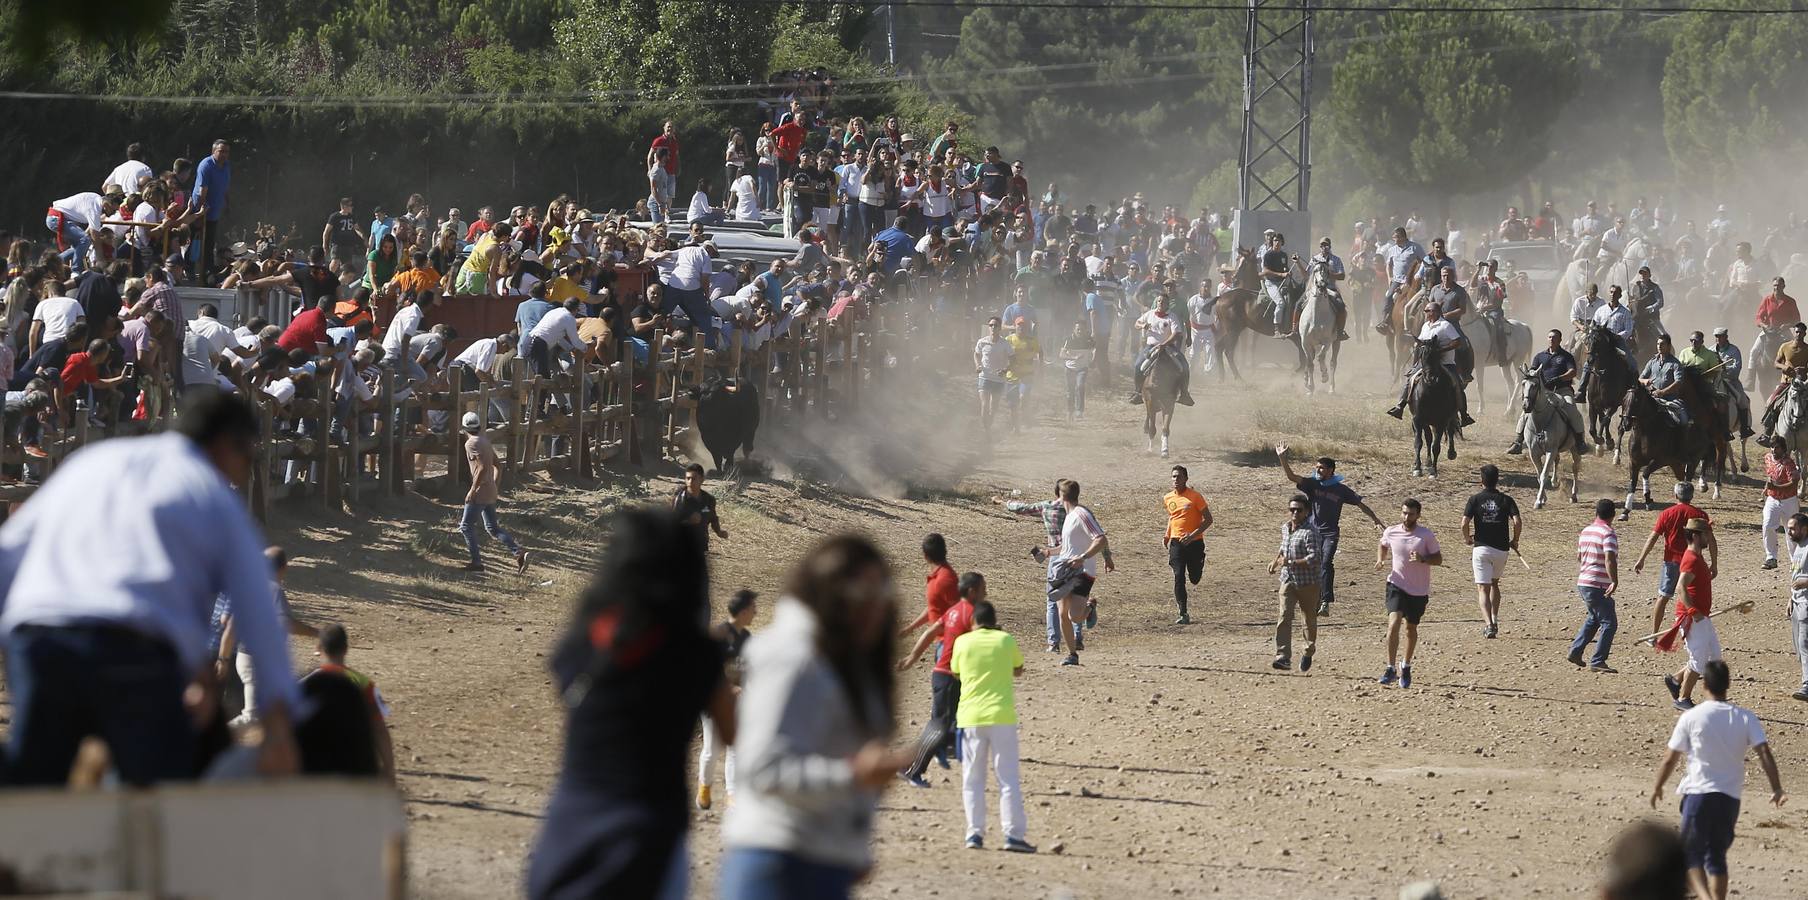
point(1297, 562)
point(1597, 576)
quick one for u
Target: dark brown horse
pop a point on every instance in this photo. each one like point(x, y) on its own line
point(1652, 440)
point(1609, 376)
point(1403, 323)
point(1434, 398)
point(1237, 313)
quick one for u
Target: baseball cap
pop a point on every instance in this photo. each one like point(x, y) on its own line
point(472, 422)
point(1720, 331)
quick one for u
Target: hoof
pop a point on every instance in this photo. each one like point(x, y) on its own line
point(1416, 473)
point(1538, 505)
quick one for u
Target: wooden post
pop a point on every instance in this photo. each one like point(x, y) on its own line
point(517, 389)
point(322, 468)
point(354, 449)
point(820, 378)
point(580, 447)
point(386, 440)
point(260, 473)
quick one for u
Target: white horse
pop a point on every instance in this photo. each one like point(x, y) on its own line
point(1547, 434)
point(1508, 350)
point(1792, 424)
point(1318, 330)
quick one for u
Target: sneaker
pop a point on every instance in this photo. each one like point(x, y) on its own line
point(1184, 620)
point(1603, 668)
point(1406, 676)
point(1136, 399)
point(1397, 411)
point(1674, 686)
point(975, 842)
point(1801, 694)
point(913, 780)
point(703, 796)
point(1018, 845)
point(1517, 448)
point(1305, 663)
point(1387, 675)
point(474, 567)
point(1762, 440)
point(1576, 659)
point(1079, 643)
point(1381, 327)
point(1770, 564)
point(1054, 647)
point(1493, 629)
point(36, 452)
point(1073, 659)
point(1281, 663)
point(521, 563)
point(1092, 614)
point(1684, 704)
point(1324, 607)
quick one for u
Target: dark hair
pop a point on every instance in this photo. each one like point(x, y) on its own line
point(1490, 475)
point(1716, 678)
point(650, 597)
point(1411, 503)
point(971, 581)
point(821, 583)
point(1070, 491)
point(1646, 862)
point(213, 415)
point(207, 311)
point(1799, 519)
point(693, 469)
point(1180, 470)
point(985, 615)
point(1604, 509)
point(1302, 500)
point(1327, 462)
point(935, 548)
point(333, 641)
point(742, 599)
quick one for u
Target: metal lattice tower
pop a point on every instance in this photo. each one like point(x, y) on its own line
point(1274, 162)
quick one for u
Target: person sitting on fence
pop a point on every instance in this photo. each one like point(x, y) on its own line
point(476, 363)
point(26, 413)
point(425, 360)
point(47, 363)
point(354, 395)
point(82, 375)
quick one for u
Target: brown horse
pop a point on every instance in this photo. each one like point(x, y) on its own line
point(1236, 313)
point(1404, 324)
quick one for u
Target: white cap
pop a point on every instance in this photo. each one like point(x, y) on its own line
point(472, 422)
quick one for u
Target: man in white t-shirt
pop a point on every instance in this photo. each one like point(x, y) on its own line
point(1715, 736)
point(745, 198)
point(1074, 567)
point(1161, 334)
point(686, 285)
point(52, 319)
point(1438, 328)
point(403, 326)
point(1202, 322)
point(991, 357)
point(76, 222)
point(204, 343)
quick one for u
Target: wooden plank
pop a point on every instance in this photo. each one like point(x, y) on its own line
point(392, 419)
point(580, 446)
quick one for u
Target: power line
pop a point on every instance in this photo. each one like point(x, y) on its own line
point(1159, 5)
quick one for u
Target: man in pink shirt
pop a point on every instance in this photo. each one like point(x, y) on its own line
point(1413, 550)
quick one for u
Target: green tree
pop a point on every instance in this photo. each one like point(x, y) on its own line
point(1425, 106)
point(1732, 90)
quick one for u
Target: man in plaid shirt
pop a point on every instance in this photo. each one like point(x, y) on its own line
point(1297, 563)
point(1054, 515)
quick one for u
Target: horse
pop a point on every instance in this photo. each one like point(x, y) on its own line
point(1318, 331)
point(1606, 386)
point(1547, 434)
point(1160, 390)
point(1515, 346)
point(1762, 374)
point(1657, 441)
point(1402, 333)
point(1792, 422)
point(1237, 314)
point(1434, 399)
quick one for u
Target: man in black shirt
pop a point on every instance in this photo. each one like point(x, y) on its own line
point(344, 238)
point(994, 180)
point(696, 508)
point(1486, 523)
point(1555, 369)
point(1329, 494)
point(1276, 271)
point(98, 291)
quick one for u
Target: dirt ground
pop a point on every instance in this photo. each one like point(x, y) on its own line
point(1174, 762)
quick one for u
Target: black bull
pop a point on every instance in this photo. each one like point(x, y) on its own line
point(728, 417)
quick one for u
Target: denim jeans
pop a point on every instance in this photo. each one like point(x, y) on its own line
point(1327, 564)
point(77, 239)
point(696, 307)
point(1602, 617)
point(1667, 576)
point(750, 873)
point(467, 525)
point(1076, 392)
point(767, 178)
point(72, 681)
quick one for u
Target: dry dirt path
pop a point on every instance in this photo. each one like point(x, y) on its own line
point(1174, 762)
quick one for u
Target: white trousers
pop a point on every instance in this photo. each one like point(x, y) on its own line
point(1703, 643)
point(1798, 630)
point(1776, 515)
point(997, 745)
point(242, 662)
point(1203, 339)
point(706, 758)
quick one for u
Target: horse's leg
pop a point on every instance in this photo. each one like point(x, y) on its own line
point(1336, 348)
point(1149, 420)
point(1575, 472)
point(1632, 480)
point(1544, 472)
point(1418, 448)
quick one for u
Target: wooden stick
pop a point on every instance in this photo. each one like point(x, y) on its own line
point(1742, 608)
point(1522, 560)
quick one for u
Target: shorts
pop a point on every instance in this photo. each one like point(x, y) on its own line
point(1707, 830)
point(1488, 563)
point(826, 215)
point(1074, 589)
point(990, 386)
point(1667, 576)
point(1411, 607)
point(1702, 640)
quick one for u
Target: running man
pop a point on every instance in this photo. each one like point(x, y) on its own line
point(1329, 493)
point(1798, 595)
point(1297, 563)
point(945, 687)
point(1668, 527)
point(1413, 549)
point(480, 500)
point(1074, 568)
point(1699, 636)
point(1053, 514)
point(1715, 736)
point(1486, 520)
point(1188, 518)
point(1781, 498)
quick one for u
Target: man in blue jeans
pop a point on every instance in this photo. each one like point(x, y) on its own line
point(480, 500)
point(107, 644)
point(1597, 576)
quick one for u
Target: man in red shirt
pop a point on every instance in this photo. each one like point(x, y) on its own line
point(1669, 527)
point(83, 369)
point(789, 138)
point(669, 140)
point(958, 620)
point(307, 331)
point(1692, 611)
point(1777, 309)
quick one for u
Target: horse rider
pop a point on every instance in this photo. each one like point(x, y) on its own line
point(1334, 272)
point(1708, 365)
point(1161, 334)
point(1735, 363)
point(1741, 276)
point(1437, 327)
point(1490, 294)
point(1617, 319)
point(1276, 271)
point(1402, 259)
point(1645, 296)
point(1663, 378)
point(1582, 311)
point(1776, 312)
point(1454, 301)
point(1792, 361)
point(1555, 369)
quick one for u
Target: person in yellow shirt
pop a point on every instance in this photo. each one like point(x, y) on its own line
point(488, 263)
point(1188, 518)
point(987, 662)
point(1026, 358)
point(568, 285)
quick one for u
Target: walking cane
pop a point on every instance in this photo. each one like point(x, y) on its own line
point(1745, 607)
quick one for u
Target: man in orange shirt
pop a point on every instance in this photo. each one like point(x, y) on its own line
point(419, 278)
point(1188, 518)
